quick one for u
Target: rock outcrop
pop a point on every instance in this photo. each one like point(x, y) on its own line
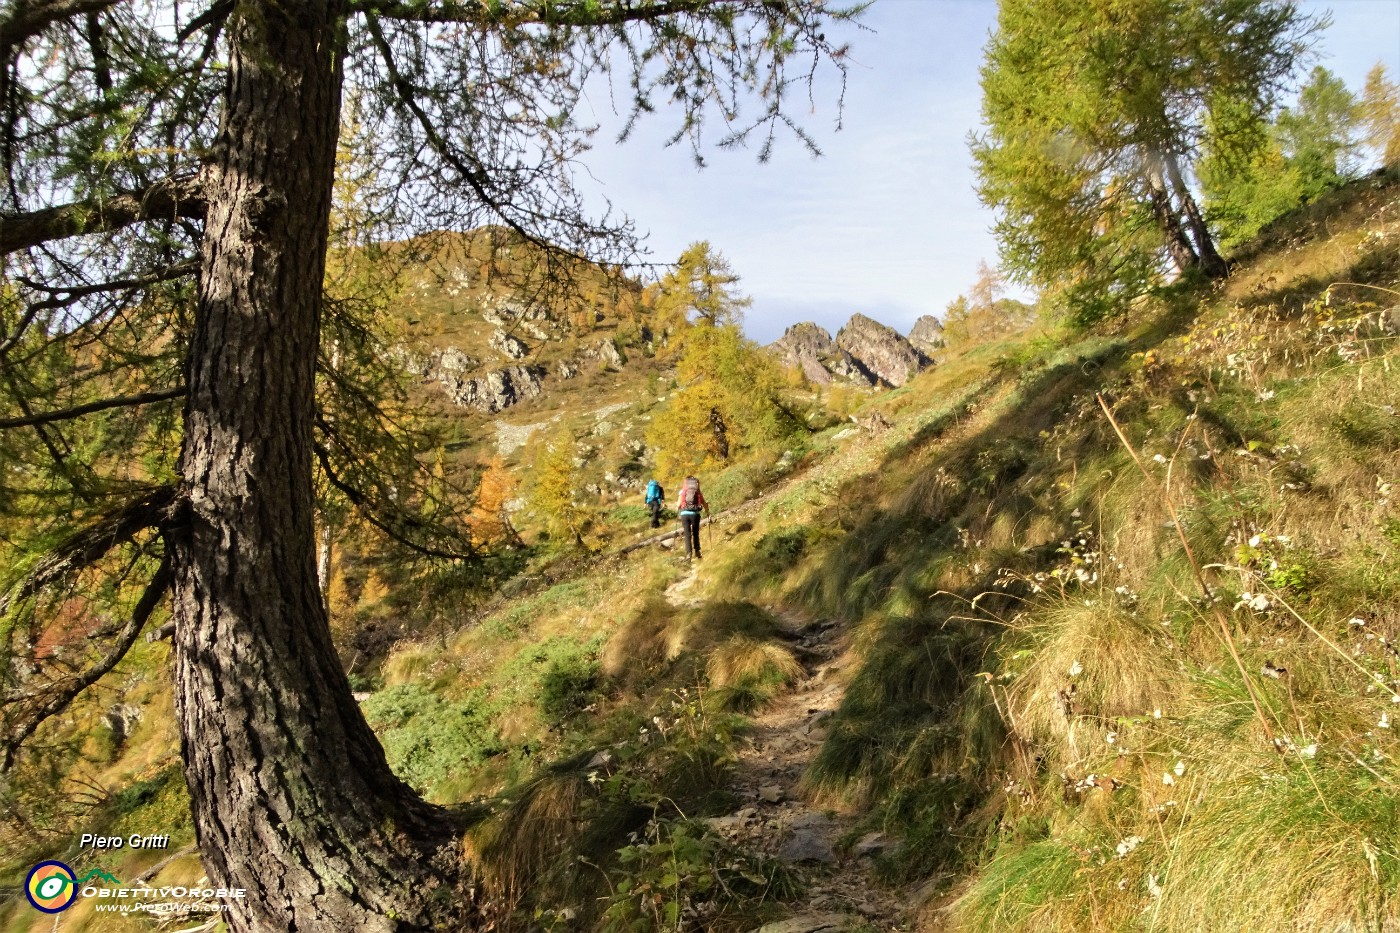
point(506, 311)
point(882, 351)
point(927, 335)
point(864, 352)
point(495, 390)
point(449, 360)
point(461, 378)
point(509, 345)
point(606, 351)
point(810, 348)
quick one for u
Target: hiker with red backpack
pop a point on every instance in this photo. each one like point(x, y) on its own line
point(689, 505)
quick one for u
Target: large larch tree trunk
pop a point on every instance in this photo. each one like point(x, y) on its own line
point(1212, 263)
point(1174, 237)
point(292, 797)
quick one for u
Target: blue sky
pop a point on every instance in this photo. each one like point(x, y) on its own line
point(885, 222)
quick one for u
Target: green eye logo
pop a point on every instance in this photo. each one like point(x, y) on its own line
point(51, 887)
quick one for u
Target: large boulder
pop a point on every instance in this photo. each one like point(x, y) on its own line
point(880, 350)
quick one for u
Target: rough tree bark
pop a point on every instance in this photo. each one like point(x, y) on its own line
point(1212, 263)
point(292, 797)
point(1179, 247)
point(721, 434)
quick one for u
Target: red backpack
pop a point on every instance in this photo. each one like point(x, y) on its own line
point(690, 494)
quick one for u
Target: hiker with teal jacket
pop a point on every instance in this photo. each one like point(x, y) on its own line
point(690, 503)
point(656, 498)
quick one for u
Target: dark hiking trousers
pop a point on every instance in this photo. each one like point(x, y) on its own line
point(655, 508)
point(690, 531)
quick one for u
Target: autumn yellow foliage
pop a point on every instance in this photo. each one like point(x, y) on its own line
point(489, 520)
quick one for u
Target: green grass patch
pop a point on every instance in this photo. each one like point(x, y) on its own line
point(428, 740)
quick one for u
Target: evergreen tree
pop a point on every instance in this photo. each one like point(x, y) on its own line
point(1380, 113)
point(1094, 110)
point(730, 398)
point(554, 487)
point(1319, 136)
point(490, 518)
point(164, 225)
point(984, 313)
point(701, 291)
point(1245, 177)
point(730, 390)
point(1253, 171)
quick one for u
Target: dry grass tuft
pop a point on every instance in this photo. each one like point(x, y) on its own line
point(655, 634)
point(511, 851)
point(1315, 844)
point(1089, 660)
point(745, 661)
point(408, 663)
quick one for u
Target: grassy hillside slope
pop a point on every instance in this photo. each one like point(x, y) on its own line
point(1081, 721)
point(1089, 681)
point(1082, 679)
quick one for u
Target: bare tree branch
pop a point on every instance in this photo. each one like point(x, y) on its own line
point(167, 199)
point(37, 704)
point(546, 12)
point(88, 545)
point(76, 293)
point(474, 176)
point(28, 18)
point(66, 414)
point(363, 504)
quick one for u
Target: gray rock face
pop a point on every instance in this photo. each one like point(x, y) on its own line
point(509, 346)
point(927, 334)
point(606, 351)
point(881, 350)
point(871, 844)
point(496, 390)
point(415, 363)
point(120, 719)
point(852, 369)
point(511, 437)
point(505, 311)
point(811, 348)
point(809, 923)
point(449, 360)
point(536, 330)
point(488, 392)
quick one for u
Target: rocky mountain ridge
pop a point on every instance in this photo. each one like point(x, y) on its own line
point(488, 351)
point(864, 351)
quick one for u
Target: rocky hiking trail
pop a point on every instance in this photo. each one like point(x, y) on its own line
point(775, 818)
point(840, 893)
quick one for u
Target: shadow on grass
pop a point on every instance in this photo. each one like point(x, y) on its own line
point(919, 738)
